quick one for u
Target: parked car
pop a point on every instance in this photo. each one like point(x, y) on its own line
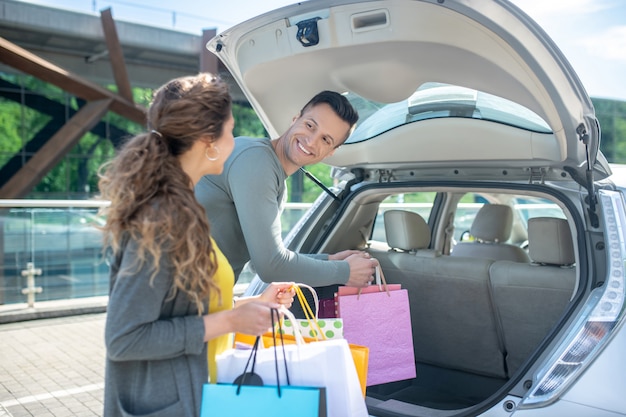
point(463, 105)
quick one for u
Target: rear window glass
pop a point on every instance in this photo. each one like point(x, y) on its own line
point(420, 203)
point(436, 100)
point(524, 208)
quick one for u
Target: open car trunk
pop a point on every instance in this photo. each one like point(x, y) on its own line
point(478, 324)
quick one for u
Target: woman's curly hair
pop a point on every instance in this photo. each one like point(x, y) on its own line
point(152, 198)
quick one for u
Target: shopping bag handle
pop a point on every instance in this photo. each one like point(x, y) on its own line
point(296, 331)
point(308, 313)
point(251, 376)
point(380, 281)
point(316, 302)
point(273, 312)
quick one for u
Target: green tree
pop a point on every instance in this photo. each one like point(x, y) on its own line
point(10, 115)
point(76, 175)
point(611, 115)
point(247, 122)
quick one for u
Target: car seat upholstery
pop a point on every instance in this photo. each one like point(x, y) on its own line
point(530, 298)
point(497, 311)
point(449, 299)
point(408, 235)
point(406, 231)
point(491, 229)
point(552, 242)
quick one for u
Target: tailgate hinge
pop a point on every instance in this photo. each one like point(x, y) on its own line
point(537, 175)
point(385, 175)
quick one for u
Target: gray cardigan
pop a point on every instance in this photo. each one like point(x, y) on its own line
point(156, 357)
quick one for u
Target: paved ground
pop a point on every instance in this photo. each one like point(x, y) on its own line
point(52, 367)
point(52, 358)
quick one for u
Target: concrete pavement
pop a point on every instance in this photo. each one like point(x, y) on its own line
point(52, 366)
point(52, 358)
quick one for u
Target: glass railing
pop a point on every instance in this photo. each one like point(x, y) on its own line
point(51, 250)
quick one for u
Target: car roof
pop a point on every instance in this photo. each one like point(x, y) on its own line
point(384, 52)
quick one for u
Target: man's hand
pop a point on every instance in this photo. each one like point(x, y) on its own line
point(340, 256)
point(362, 269)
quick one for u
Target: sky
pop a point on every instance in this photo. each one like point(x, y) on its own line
point(590, 33)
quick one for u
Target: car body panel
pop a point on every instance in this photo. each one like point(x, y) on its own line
point(416, 70)
point(566, 408)
point(604, 381)
point(384, 50)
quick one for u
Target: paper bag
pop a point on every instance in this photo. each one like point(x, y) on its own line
point(262, 401)
point(248, 394)
point(360, 354)
point(330, 328)
point(380, 319)
point(327, 308)
point(327, 363)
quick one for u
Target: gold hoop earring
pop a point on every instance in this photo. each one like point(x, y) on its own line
point(217, 156)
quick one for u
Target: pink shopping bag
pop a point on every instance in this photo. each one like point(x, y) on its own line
point(380, 319)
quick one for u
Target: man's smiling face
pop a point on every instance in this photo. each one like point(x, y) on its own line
point(314, 135)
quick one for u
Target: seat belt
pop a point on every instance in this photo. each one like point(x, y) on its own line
point(448, 233)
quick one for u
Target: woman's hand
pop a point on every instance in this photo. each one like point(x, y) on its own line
point(280, 293)
point(251, 315)
point(253, 318)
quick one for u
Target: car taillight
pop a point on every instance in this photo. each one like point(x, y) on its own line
point(603, 311)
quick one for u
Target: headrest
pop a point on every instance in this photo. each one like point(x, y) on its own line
point(550, 241)
point(493, 223)
point(406, 230)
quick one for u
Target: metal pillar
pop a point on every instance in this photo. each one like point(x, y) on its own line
point(30, 289)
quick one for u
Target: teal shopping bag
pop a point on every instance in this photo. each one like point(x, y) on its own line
point(262, 401)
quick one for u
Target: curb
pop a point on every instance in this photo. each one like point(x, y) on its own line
point(13, 313)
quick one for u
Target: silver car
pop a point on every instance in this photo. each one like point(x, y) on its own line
point(475, 177)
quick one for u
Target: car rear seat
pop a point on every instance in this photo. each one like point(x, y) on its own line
point(453, 320)
point(491, 228)
point(530, 298)
point(407, 231)
point(407, 234)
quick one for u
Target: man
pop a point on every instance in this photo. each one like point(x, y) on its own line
point(244, 203)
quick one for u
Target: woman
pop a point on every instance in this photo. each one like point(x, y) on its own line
point(171, 288)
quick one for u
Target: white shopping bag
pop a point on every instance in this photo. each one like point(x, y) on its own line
point(326, 364)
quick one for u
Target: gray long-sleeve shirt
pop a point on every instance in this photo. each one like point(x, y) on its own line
point(244, 205)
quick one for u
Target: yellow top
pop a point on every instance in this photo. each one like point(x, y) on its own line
point(225, 279)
